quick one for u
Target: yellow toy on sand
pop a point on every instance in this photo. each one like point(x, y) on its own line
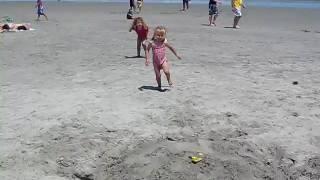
point(196, 159)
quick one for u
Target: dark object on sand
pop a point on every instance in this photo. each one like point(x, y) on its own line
point(6, 27)
point(171, 139)
point(295, 82)
point(130, 14)
point(22, 28)
point(295, 114)
point(305, 30)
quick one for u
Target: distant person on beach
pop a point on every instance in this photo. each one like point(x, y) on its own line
point(141, 28)
point(132, 5)
point(185, 5)
point(158, 44)
point(213, 12)
point(13, 27)
point(40, 10)
point(236, 9)
point(139, 5)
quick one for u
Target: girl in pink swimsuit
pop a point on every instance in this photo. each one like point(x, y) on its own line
point(141, 28)
point(158, 45)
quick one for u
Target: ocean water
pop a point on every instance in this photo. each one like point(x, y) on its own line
point(258, 3)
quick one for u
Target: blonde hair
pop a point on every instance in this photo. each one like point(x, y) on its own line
point(159, 28)
point(136, 20)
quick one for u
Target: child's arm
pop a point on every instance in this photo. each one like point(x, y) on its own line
point(147, 54)
point(243, 4)
point(173, 50)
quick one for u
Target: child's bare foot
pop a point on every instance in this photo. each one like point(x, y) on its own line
point(171, 84)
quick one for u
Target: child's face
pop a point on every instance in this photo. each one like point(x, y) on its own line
point(160, 35)
point(139, 24)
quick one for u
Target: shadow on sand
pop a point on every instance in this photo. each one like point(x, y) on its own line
point(132, 57)
point(154, 88)
point(203, 24)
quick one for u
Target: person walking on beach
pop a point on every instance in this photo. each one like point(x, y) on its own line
point(213, 12)
point(40, 10)
point(185, 5)
point(158, 45)
point(132, 5)
point(141, 28)
point(236, 9)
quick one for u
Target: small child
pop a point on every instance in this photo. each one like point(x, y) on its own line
point(141, 28)
point(40, 10)
point(236, 9)
point(213, 11)
point(158, 45)
point(139, 5)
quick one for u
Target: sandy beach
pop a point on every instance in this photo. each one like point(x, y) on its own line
point(74, 106)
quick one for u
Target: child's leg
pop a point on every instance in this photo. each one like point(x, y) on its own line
point(138, 46)
point(236, 21)
point(165, 67)
point(46, 16)
point(158, 74)
point(210, 20)
point(214, 19)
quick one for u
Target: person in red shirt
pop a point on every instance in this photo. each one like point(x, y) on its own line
point(141, 28)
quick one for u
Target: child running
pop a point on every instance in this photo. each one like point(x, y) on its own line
point(141, 28)
point(158, 45)
point(40, 10)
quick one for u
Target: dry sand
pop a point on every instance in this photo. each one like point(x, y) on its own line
point(71, 107)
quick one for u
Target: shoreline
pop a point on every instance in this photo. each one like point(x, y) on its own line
point(280, 5)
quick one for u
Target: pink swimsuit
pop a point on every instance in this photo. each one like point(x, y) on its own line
point(159, 53)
